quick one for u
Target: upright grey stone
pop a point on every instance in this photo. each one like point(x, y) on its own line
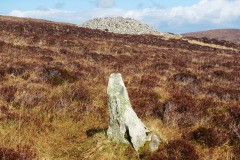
point(123, 120)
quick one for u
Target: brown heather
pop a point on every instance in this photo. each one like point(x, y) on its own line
point(53, 101)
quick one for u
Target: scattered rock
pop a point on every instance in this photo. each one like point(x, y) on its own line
point(124, 125)
point(154, 141)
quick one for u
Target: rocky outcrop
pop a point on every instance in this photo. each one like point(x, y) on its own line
point(124, 125)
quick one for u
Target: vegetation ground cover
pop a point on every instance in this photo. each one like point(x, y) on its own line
point(53, 101)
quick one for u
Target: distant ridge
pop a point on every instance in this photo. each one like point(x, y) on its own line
point(220, 34)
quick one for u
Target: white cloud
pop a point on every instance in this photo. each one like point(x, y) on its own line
point(51, 14)
point(207, 14)
point(106, 3)
point(211, 11)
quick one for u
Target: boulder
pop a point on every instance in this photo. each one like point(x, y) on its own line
point(154, 142)
point(124, 125)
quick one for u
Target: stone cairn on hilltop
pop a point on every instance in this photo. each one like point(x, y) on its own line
point(124, 125)
point(122, 25)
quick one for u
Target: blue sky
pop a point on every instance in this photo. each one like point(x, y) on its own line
point(176, 16)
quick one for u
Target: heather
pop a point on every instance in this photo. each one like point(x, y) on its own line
point(53, 100)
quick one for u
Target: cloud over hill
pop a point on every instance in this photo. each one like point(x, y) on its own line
point(209, 14)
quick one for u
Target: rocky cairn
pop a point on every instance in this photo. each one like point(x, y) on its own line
point(124, 125)
point(122, 25)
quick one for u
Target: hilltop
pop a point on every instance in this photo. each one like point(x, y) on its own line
point(122, 25)
point(219, 34)
point(53, 100)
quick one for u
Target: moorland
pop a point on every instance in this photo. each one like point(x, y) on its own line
point(53, 100)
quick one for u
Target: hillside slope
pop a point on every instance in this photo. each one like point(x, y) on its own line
point(220, 34)
point(53, 101)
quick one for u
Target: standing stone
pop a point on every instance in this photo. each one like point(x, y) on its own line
point(124, 124)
